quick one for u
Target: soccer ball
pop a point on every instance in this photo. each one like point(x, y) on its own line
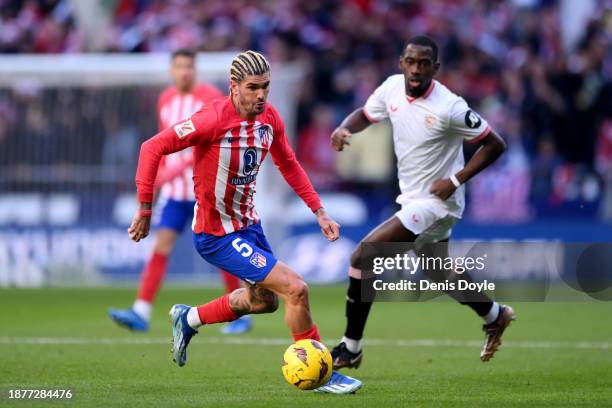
point(307, 364)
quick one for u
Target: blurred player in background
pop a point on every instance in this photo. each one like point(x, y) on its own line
point(176, 199)
point(231, 137)
point(430, 124)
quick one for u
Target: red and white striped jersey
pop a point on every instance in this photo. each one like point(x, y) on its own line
point(228, 151)
point(173, 107)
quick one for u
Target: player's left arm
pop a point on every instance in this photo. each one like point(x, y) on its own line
point(473, 129)
point(284, 158)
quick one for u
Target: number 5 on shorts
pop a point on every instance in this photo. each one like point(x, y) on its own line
point(243, 249)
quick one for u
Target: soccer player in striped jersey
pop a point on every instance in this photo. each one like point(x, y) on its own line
point(176, 201)
point(430, 124)
point(231, 137)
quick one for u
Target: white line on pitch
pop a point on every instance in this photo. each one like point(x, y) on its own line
point(284, 341)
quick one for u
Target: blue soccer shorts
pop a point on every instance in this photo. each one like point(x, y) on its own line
point(174, 214)
point(245, 253)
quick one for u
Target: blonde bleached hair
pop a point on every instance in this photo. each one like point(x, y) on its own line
point(248, 63)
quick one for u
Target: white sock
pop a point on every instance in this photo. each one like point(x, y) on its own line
point(193, 318)
point(143, 309)
point(493, 314)
point(354, 346)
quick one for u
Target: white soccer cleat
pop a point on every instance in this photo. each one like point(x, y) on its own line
point(181, 333)
point(340, 384)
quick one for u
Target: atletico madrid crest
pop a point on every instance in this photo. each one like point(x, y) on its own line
point(263, 133)
point(258, 260)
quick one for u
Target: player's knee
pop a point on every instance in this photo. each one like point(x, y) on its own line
point(163, 248)
point(298, 292)
point(356, 258)
point(164, 242)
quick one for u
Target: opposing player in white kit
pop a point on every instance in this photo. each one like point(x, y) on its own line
point(430, 124)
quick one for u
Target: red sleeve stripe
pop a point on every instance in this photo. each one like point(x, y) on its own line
point(481, 136)
point(368, 117)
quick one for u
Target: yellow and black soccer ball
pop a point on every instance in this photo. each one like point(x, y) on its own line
point(307, 364)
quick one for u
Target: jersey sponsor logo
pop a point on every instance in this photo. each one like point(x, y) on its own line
point(472, 120)
point(184, 129)
point(250, 160)
point(258, 260)
point(238, 181)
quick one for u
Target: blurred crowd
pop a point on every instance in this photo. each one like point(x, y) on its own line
point(551, 101)
point(38, 26)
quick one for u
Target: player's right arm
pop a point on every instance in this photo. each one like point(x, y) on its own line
point(169, 173)
point(373, 111)
point(355, 122)
point(196, 130)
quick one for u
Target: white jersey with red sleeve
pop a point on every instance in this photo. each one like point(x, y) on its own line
point(228, 152)
point(428, 135)
point(173, 107)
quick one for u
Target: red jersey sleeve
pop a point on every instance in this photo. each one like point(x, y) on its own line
point(284, 158)
point(198, 129)
point(160, 127)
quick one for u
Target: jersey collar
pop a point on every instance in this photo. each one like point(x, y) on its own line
point(425, 95)
point(231, 109)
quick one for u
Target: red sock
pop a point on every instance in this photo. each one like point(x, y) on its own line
point(217, 311)
point(312, 333)
point(152, 276)
point(231, 282)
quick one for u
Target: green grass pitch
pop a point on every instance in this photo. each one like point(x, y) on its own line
point(418, 355)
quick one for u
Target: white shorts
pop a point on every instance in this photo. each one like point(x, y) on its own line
point(426, 218)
